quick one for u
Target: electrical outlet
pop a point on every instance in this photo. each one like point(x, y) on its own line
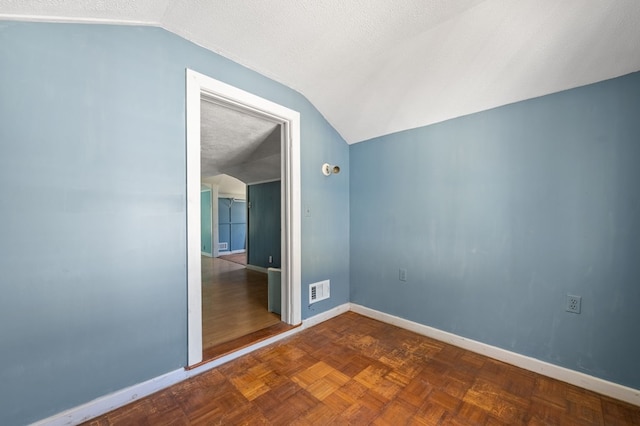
point(402, 274)
point(573, 303)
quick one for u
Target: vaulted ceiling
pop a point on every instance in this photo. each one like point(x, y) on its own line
point(374, 67)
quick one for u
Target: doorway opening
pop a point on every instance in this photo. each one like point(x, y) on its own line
point(241, 280)
point(199, 87)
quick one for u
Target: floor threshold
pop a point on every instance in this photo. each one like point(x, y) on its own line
point(226, 348)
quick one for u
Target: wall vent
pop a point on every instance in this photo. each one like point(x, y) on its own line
point(319, 291)
point(222, 246)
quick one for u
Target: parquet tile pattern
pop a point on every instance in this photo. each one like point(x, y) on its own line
point(353, 370)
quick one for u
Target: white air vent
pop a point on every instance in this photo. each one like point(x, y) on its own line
point(222, 246)
point(319, 291)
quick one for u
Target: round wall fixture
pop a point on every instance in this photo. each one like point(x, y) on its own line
point(328, 169)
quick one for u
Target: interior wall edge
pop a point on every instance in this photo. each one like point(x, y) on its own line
point(585, 381)
point(115, 400)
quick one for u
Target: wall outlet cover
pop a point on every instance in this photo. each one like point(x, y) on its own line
point(402, 274)
point(573, 304)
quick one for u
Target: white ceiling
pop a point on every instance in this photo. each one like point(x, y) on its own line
point(238, 144)
point(374, 67)
point(228, 186)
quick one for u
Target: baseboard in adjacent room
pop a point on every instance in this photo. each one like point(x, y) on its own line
point(257, 268)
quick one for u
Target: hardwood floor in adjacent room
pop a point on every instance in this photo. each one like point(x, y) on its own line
point(352, 370)
point(234, 304)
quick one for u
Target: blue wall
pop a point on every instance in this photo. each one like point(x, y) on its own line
point(92, 218)
point(205, 222)
point(264, 226)
point(498, 215)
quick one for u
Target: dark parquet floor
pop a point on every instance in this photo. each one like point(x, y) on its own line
point(352, 370)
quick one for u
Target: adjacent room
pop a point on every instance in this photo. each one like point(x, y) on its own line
point(240, 179)
point(239, 305)
point(331, 212)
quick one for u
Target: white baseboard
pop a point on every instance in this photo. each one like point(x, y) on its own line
point(104, 404)
point(326, 315)
point(257, 268)
point(125, 396)
point(573, 377)
point(118, 399)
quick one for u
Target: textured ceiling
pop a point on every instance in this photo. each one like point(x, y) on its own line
point(238, 144)
point(374, 67)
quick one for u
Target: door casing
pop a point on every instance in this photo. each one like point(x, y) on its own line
point(201, 86)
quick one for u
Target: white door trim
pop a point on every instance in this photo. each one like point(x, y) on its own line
point(198, 85)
